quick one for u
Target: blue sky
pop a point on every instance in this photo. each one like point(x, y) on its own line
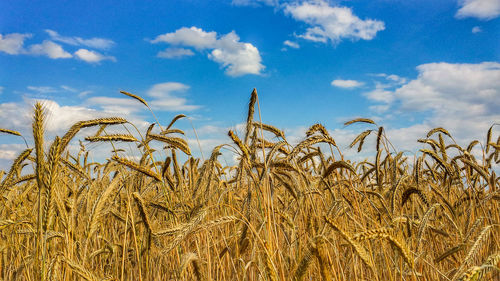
point(409, 65)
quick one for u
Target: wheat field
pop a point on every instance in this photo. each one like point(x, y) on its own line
point(281, 212)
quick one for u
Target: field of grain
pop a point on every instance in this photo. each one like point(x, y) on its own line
point(282, 212)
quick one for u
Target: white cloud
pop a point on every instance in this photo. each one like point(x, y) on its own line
point(22, 111)
point(481, 9)
point(1, 89)
point(379, 94)
point(211, 129)
point(164, 98)
point(10, 151)
point(12, 44)
point(390, 82)
point(347, 84)
point(63, 117)
point(173, 53)
point(84, 93)
point(380, 108)
point(59, 117)
point(405, 138)
point(193, 37)
point(98, 43)
point(68, 88)
point(92, 56)
point(49, 49)
point(462, 85)
point(42, 89)
point(476, 29)
point(463, 98)
point(255, 3)
point(7, 154)
point(238, 58)
point(115, 105)
point(332, 23)
point(49, 89)
point(291, 44)
point(159, 90)
point(395, 78)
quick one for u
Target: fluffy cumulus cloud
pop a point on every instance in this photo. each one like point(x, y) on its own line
point(174, 53)
point(97, 43)
point(347, 84)
point(49, 49)
point(332, 23)
point(463, 98)
point(481, 9)
point(238, 58)
point(92, 56)
point(59, 118)
point(13, 43)
point(192, 37)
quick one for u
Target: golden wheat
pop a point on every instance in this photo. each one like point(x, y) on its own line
point(280, 212)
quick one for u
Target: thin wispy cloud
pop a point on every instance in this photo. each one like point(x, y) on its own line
point(95, 42)
point(68, 88)
point(291, 44)
point(42, 89)
point(255, 3)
